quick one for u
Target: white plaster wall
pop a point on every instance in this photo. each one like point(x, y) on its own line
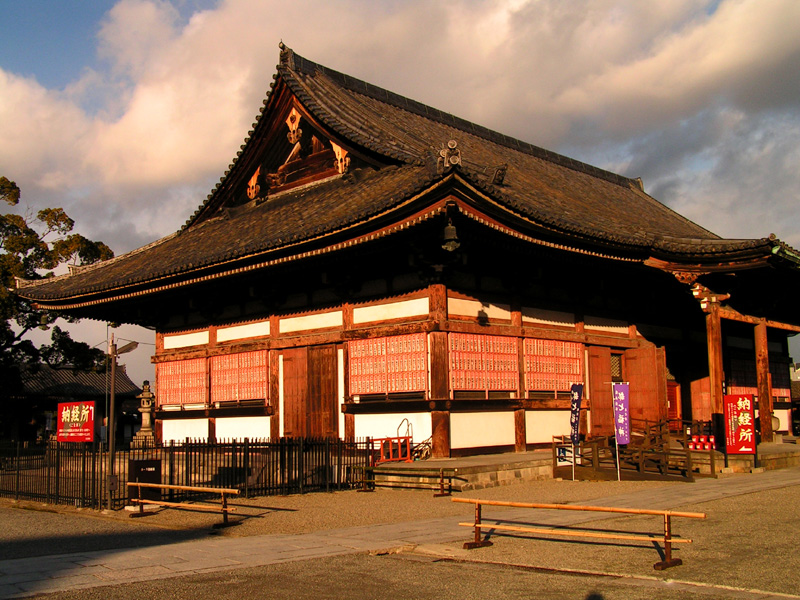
point(381, 426)
point(542, 425)
point(178, 430)
point(473, 430)
point(393, 310)
point(318, 321)
point(785, 417)
point(472, 308)
point(241, 332)
point(242, 427)
point(184, 340)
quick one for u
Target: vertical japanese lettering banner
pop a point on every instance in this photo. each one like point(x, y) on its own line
point(740, 425)
point(576, 395)
point(622, 423)
point(75, 422)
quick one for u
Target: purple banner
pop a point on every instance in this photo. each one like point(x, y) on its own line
point(622, 422)
point(576, 395)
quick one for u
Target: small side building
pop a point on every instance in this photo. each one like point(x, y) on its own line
point(369, 265)
point(32, 411)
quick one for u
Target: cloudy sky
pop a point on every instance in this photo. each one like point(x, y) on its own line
point(126, 113)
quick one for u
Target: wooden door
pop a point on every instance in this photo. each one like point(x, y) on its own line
point(645, 370)
point(674, 405)
point(600, 391)
point(310, 392)
point(321, 416)
point(295, 391)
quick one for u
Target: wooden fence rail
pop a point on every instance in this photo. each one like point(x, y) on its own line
point(223, 492)
point(666, 538)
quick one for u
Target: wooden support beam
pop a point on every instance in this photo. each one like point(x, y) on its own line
point(763, 382)
point(734, 315)
point(715, 368)
point(520, 432)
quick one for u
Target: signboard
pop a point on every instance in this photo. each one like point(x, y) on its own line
point(75, 422)
point(145, 470)
point(576, 395)
point(622, 421)
point(740, 424)
point(564, 456)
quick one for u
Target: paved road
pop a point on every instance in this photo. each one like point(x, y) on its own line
point(363, 562)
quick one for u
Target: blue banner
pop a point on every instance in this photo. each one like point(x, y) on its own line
point(576, 395)
point(622, 421)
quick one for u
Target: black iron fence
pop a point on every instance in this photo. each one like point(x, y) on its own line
point(77, 473)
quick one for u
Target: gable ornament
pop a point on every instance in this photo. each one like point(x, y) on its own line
point(449, 157)
point(293, 121)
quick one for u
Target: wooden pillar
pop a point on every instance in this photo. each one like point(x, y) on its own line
point(440, 395)
point(440, 426)
point(274, 394)
point(762, 377)
point(437, 294)
point(715, 370)
point(349, 427)
point(520, 433)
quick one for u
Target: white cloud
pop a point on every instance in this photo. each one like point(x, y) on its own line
point(668, 90)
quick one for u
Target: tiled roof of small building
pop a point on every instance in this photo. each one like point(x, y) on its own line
point(567, 197)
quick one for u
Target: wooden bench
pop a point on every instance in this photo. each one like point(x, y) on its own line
point(667, 539)
point(439, 475)
point(223, 507)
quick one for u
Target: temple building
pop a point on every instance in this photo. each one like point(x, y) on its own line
point(370, 265)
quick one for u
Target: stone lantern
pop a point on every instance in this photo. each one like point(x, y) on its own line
point(145, 436)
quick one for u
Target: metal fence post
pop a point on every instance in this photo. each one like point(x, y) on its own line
point(246, 467)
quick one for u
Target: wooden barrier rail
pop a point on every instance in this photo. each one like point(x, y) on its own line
point(185, 488)
point(667, 539)
point(439, 475)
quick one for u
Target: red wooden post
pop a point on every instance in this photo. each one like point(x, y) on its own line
point(762, 378)
point(477, 542)
point(668, 560)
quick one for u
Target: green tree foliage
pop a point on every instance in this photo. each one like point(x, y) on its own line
point(31, 247)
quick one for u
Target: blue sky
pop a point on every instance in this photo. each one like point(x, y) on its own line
point(50, 40)
point(126, 113)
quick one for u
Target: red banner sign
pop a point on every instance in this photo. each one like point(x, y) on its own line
point(740, 424)
point(75, 422)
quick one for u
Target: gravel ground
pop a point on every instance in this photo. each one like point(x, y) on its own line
point(266, 515)
point(747, 541)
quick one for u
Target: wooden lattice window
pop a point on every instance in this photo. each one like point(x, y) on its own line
point(552, 365)
point(483, 362)
point(182, 382)
point(389, 365)
point(240, 376)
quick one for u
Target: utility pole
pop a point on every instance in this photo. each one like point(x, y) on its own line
point(113, 480)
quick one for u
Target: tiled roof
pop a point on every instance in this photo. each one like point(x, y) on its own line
point(569, 198)
point(69, 384)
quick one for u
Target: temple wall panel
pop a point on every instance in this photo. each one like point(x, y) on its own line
point(185, 340)
point(542, 425)
point(253, 428)
point(391, 310)
point(481, 429)
point(392, 424)
point(178, 430)
point(242, 332)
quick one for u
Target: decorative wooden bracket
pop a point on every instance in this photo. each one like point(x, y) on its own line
point(253, 186)
point(342, 162)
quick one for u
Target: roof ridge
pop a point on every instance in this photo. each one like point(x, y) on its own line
point(294, 62)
